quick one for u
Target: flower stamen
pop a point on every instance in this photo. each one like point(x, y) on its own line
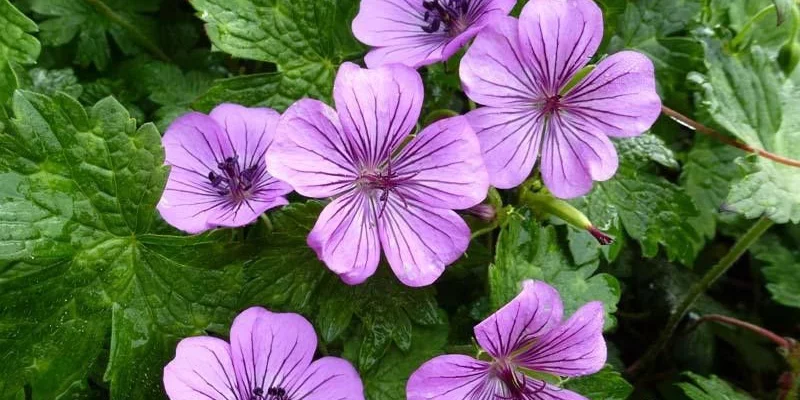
point(450, 13)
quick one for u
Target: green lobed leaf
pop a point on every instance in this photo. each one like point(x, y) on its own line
point(16, 42)
point(307, 40)
point(92, 21)
point(781, 267)
point(707, 175)
point(268, 89)
point(607, 384)
point(712, 388)
point(635, 188)
point(746, 95)
point(50, 81)
point(78, 261)
point(387, 380)
point(528, 250)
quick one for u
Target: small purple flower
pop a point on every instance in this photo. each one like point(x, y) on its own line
point(527, 334)
point(268, 358)
point(219, 176)
point(388, 194)
point(521, 70)
point(422, 32)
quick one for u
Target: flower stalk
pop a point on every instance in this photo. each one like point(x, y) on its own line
point(698, 127)
point(738, 249)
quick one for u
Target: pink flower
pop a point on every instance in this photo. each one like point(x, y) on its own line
point(422, 32)
point(268, 358)
point(527, 334)
point(388, 193)
point(520, 71)
point(218, 175)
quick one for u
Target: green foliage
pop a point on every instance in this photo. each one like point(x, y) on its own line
point(306, 40)
point(607, 384)
point(528, 250)
point(79, 261)
point(96, 290)
point(16, 42)
point(387, 380)
point(636, 187)
point(781, 268)
point(746, 95)
point(712, 388)
point(92, 21)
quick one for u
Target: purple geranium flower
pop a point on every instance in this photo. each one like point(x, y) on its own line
point(422, 32)
point(268, 358)
point(386, 195)
point(527, 334)
point(521, 70)
point(218, 175)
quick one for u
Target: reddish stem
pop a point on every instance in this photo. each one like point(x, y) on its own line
point(780, 341)
point(726, 139)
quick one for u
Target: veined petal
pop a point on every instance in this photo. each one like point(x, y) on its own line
point(451, 377)
point(420, 241)
point(250, 131)
point(328, 378)
point(494, 71)
point(575, 348)
point(378, 108)
point(574, 154)
point(619, 96)
point(310, 151)
point(270, 350)
point(345, 237)
point(194, 144)
point(545, 391)
point(202, 368)
point(421, 51)
point(510, 139)
point(242, 213)
point(444, 166)
point(560, 36)
point(188, 201)
point(383, 23)
point(532, 314)
point(480, 14)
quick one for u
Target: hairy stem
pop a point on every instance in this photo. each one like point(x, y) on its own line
point(774, 337)
point(686, 121)
point(140, 37)
point(739, 248)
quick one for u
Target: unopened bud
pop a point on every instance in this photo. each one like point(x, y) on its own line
point(483, 211)
point(567, 212)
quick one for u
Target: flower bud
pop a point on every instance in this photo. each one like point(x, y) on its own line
point(485, 212)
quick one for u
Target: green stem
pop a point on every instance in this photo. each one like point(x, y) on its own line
point(738, 249)
point(748, 26)
point(140, 37)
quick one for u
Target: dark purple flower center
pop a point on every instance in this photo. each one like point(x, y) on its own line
point(273, 393)
point(232, 180)
point(448, 14)
point(551, 104)
point(515, 382)
point(385, 181)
